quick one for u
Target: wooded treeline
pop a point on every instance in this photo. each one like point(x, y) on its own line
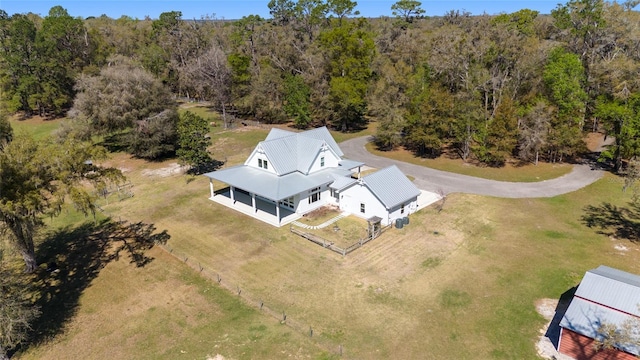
point(520, 85)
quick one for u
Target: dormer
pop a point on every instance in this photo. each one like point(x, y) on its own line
point(259, 159)
point(324, 158)
point(284, 152)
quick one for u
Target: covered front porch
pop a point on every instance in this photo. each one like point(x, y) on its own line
point(255, 206)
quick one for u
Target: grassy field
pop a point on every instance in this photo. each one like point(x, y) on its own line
point(510, 172)
point(455, 284)
point(460, 283)
point(35, 126)
point(163, 310)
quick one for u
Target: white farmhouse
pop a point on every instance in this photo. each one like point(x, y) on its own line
point(290, 174)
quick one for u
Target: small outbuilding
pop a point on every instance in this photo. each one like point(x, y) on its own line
point(605, 297)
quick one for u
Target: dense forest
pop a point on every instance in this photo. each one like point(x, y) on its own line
point(488, 88)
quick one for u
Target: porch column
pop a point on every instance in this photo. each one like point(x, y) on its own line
point(278, 212)
point(231, 191)
point(253, 202)
point(211, 187)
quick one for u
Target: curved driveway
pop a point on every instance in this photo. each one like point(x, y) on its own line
point(445, 182)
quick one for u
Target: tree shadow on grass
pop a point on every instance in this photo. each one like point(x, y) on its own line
point(209, 166)
point(74, 256)
point(611, 220)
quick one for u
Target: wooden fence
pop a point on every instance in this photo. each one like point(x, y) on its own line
point(331, 246)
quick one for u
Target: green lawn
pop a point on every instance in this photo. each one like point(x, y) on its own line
point(496, 257)
point(509, 172)
point(162, 310)
point(36, 127)
point(456, 284)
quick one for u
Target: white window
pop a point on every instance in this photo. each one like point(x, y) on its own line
point(287, 202)
point(314, 195)
point(259, 162)
point(402, 209)
point(322, 161)
point(362, 208)
point(266, 164)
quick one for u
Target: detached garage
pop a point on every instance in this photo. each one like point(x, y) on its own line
point(605, 296)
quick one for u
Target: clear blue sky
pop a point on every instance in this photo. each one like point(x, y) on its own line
point(229, 9)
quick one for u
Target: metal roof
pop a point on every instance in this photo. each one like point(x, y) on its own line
point(611, 287)
point(276, 133)
point(585, 317)
point(605, 296)
point(342, 182)
point(288, 151)
point(272, 186)
point(391, 186)
point(350, 164)
point(322, 133)
point(282, 154)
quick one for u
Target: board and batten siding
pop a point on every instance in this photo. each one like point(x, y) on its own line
point(581, 347)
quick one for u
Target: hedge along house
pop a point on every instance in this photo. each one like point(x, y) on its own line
point(290, 174)
point(605, 296)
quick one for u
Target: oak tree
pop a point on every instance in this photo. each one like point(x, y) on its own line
point(36, 177)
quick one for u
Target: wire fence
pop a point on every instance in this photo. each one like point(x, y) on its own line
point(234, 285)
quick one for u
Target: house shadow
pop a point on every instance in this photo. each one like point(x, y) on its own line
point(72, 257)
point(553, 332)
point(623, 222)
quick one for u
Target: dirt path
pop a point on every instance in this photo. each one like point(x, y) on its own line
point(446, 182)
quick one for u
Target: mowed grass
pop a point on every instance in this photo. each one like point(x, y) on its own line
point(460, 283)
point(455, 284)
point(509, 172)
point(164, 310)
point(35, 126)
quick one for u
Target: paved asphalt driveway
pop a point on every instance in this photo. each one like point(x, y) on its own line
point(441, 181)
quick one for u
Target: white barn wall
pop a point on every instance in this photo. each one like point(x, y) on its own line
point(409, 208)
point(353, 196)
point(356, 194)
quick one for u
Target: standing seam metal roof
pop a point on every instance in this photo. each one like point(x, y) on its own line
point(391, 186)
point(605, 295)
point(274, 187)
point(586, 318)
point(288, 151)
point(611, 287)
